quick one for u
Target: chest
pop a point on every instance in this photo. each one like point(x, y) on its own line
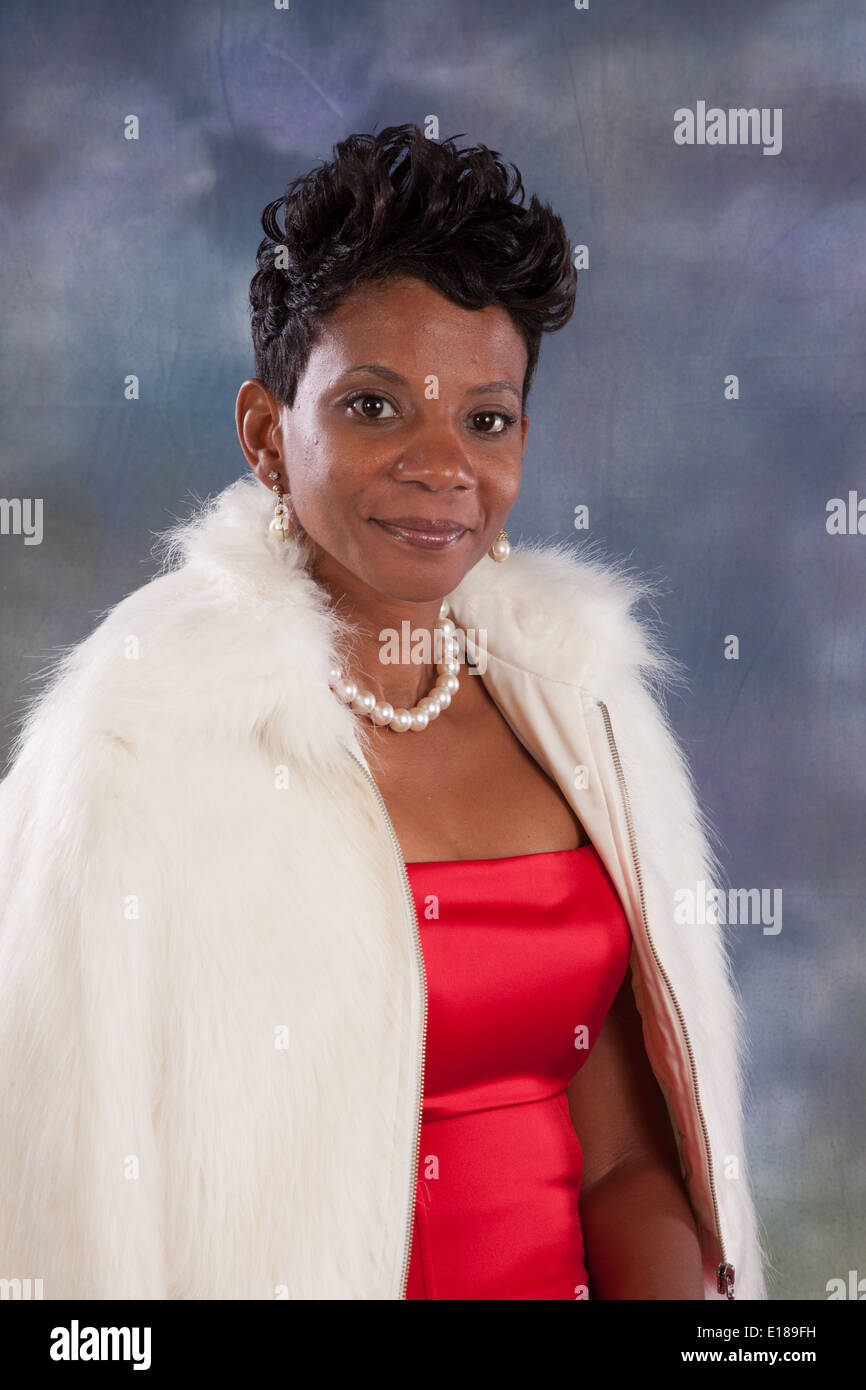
point(471, 790)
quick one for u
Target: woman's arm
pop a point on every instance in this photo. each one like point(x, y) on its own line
point(639, 1230)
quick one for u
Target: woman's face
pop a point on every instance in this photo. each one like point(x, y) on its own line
point(409, 409)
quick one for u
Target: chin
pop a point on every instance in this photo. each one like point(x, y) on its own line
point(416, 575)
point(406, 584)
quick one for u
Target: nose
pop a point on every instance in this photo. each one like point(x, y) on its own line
point(436, 456)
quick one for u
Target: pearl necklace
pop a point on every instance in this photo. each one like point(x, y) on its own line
point(427, 709)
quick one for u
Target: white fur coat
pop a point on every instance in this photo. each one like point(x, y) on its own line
point(210, 994)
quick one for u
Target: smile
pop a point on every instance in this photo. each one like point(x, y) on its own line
point(437, 536)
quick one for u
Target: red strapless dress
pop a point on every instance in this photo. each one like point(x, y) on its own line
point(522, 955)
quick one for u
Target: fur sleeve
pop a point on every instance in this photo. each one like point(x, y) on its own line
point(79, 1200)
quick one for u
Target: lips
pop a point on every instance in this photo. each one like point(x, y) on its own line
point(420, 523)
point(423, 532)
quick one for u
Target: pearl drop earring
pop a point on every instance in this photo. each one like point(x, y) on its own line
point(282, 524)
point(500, 549)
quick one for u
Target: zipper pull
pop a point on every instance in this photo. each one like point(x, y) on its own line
point(725, 1276)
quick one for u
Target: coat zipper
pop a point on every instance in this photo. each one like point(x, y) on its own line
point(725, 1271)
point(422, 975)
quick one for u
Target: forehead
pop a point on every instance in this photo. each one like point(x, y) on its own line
point(411, 325)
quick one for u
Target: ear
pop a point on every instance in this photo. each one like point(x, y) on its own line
point(257, 419)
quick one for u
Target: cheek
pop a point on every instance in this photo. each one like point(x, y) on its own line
point(507, 487)
point(328, 497)
point(316, 484)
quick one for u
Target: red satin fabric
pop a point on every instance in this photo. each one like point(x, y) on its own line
point(525, 951)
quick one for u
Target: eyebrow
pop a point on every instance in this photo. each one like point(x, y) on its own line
point(388, 374)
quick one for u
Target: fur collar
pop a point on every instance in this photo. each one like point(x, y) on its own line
point(234, 606)
point(234, 635)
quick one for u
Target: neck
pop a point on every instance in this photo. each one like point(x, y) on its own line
point(396, 645)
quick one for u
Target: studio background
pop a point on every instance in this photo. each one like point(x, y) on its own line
point(134, 256)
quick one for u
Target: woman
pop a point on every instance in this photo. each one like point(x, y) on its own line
point(333, 968)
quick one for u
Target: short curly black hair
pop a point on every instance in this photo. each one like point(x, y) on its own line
point(398, 203)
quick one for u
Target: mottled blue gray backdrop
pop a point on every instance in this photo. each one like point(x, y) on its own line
point(705, 261)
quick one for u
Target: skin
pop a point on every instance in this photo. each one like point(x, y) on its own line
point(394, 452)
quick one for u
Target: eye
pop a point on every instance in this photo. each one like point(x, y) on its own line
point(367, 396)
point(493, 415)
